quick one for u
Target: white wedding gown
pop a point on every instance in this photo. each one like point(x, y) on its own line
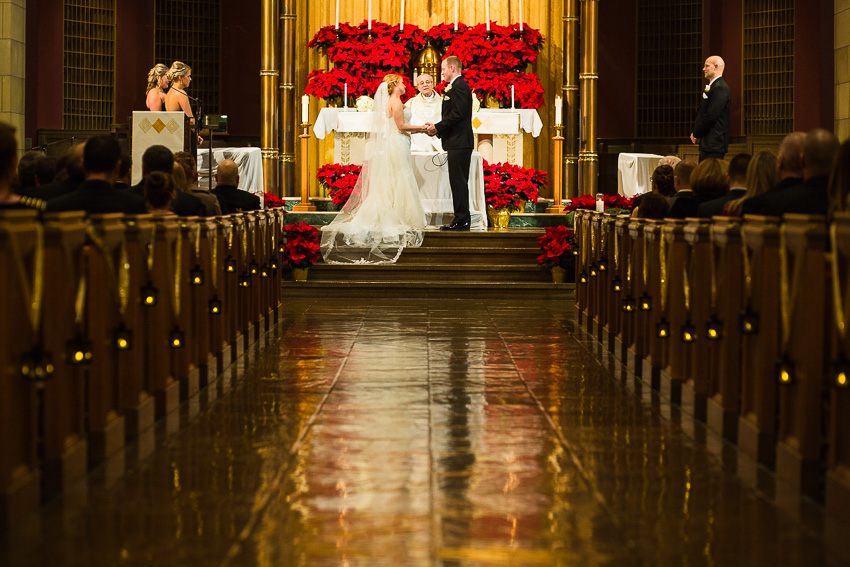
point(384, 214)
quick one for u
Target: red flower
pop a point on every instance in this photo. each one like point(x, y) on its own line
point(339, 180)
point(556, 245)
point(610, 202)
point(271, 201)
point(300, 245)
point(507, 185)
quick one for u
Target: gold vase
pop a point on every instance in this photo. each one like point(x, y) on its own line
point(498, 218)
point(521, 207)
point(491, 102)
point(559, 274)
point(300, 274)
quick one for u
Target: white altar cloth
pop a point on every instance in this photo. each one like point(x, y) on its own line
point(432, 173)
point(249, 160)
point(634, 171)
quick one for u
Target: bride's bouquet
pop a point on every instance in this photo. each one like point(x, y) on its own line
point(300, 245)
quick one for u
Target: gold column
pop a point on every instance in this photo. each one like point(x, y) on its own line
point(287, 97)
point(268, 85)
point(570, 96)
point(587, 156)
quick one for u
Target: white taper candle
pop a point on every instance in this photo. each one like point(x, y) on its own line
point(401, 16)
point(558, 102)
point(336, 21)
point(520, 15)
point(455, 15)
point(512, 96)
point(305, 109)
point(487, 13)
point(345, 96)
point(370, 15)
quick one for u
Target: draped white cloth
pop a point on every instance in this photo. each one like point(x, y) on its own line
point(384, 213)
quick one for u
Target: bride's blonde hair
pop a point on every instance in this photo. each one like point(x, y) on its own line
point(392, 80)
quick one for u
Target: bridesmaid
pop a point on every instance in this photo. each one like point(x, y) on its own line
point(180, 76)
point(157, 87)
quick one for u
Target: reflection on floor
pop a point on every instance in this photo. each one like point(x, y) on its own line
point(423, 432)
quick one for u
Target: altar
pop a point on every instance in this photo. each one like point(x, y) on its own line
point(498, 132)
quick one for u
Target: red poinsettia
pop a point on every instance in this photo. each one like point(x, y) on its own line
point(339, 180)
point(442, 35)
point(556, 246)
point(271, 201)
point(508, 185)
point(300, 245)
point(617, 202)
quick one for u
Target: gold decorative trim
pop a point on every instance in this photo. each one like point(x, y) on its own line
point(592, 76)
point(269, 73)
point(288, 17)
point(287, 86)
point(269, 153)
point(288, 158)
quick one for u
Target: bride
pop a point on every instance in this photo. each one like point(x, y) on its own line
point(384, 213)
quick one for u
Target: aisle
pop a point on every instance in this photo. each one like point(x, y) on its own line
point(419, 432)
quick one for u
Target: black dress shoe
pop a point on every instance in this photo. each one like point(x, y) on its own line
point(456, 226)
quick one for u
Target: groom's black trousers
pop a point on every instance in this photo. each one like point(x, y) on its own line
point(459, 181)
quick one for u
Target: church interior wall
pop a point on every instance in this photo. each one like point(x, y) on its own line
point(842, 68)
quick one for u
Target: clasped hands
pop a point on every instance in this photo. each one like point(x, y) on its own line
point(430, 129)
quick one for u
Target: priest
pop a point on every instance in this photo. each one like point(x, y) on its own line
point(426, 107)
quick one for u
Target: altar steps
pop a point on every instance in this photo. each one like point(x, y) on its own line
point(449, 265)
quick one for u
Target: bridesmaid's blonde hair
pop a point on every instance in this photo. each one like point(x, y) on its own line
point(155, 73)
point(178, 69)
point(392, 80)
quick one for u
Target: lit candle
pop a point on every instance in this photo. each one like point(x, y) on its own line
point(336, 21)
point(305, 109)
point(455, 15)
point(520, 15)
point(512, 96)
point(486, 12)
point(558, 102)
point(401, 16)
point(345, 96)
point(370, 15)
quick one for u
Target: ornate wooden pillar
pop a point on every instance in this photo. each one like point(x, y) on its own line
point(570, 96)
point(588, 157)
point(268, 85)
point(287, 98)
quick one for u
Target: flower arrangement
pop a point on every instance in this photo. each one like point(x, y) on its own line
point(300, 245)
point(493, 60)
point(365, 104)
point(271, 201)
point(507, 185)
point(556, 247)
point(338, 180)
point(614, 204)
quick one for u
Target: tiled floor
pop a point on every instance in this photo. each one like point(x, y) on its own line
point(421, 432)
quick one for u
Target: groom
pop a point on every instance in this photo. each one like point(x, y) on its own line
point(455, 130)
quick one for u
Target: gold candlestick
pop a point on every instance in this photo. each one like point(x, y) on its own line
point(304, 205)
point(558, 147)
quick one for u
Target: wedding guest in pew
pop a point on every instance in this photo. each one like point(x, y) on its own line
point(812, 197)
point(762, 175)
point(209, 200)
point(159, 193)
point(789, 169)
point(124, 172)
point(708, 181)
point(839, 179)
point(45, 170)
point(159, 158)
point(69, 176)
point(231, 199)
point(25, 178)
point(97, 194)
point(682, 179)
point(8, 168)
point(661, 183)
point(737, 176)
point(669, 160)
point(653, 206)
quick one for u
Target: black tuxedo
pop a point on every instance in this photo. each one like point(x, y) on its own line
point(715, 206)
point(97, 196)
point(455, 130)
point(183, 205)
point(711, 125)
point(687, 206)
point(755, 205)
point(233, 200)
point(810, 198)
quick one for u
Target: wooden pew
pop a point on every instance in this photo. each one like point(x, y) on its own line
point(205, 307)
point(759, 325)
point(699, 303)
point(223, 327)
point(803, 303)
point(581, 224)
point(837, 499)
point(652, 306)
point(136, 400)
point(19, 336)
point(607, 268)
point(725, 360)
point(673, 283)
point(636, 350)
point(623, 258)
point(182, 262)
point(594, 284)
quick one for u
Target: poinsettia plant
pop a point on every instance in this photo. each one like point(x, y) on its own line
point(300, 245)
point(508, 185)
point(556, 246)
point(271, 201)
point(614, 204)
point(338, 180)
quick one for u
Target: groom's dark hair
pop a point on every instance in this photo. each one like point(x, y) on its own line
point(454, 61)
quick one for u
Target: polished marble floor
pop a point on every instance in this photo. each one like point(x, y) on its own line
point(422, 432)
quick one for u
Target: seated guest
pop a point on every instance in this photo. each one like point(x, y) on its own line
point(737, 175)
point(159, 193)
point(789, 171)
point(209, 200)
point(45, 170)
point(761, 177)
point(26, 171)
point(653, 206)
point(69, 176)
point(124, 172)
point(810, 198)
point(669, 160)
point(231, 199)
point(159, 158)
point(839, 179)
point(661, 184)
point(101, 162)
point(708, 181)
point(682, 179)
point(8, 168)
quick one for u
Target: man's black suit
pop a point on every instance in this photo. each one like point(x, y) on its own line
point(233, 200)
point(810, 198)
point(755, 205)
point(716, 206)
point(455, 130)
point(183, 205)
point(711, 125)
point(96, 196)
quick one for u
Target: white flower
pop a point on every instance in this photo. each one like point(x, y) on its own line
point(476, 104)
point(707, 88)
point(364, 104)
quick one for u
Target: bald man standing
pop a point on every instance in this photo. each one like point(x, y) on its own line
point(711, 127)
point(232, 199)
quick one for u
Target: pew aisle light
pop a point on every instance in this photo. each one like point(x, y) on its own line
point(215, 306)
point(245, 281)
point(617, 284)
point(645, 302)
point(749, 322)
point(273, 263)
point(840, 373)
point(122, 338)
point(37, 366)
point(196, 276)
point(785, 371)
point(176, 339)
point(230, 265)
point(689, 333)
point(662, 329)
point(594, 270)
point(629, 304)
point(582, 278)
point(265, 271)
point(603, 264)
point(714, 329)
point(79, 351)
point(254, 267)
point(149, 295)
